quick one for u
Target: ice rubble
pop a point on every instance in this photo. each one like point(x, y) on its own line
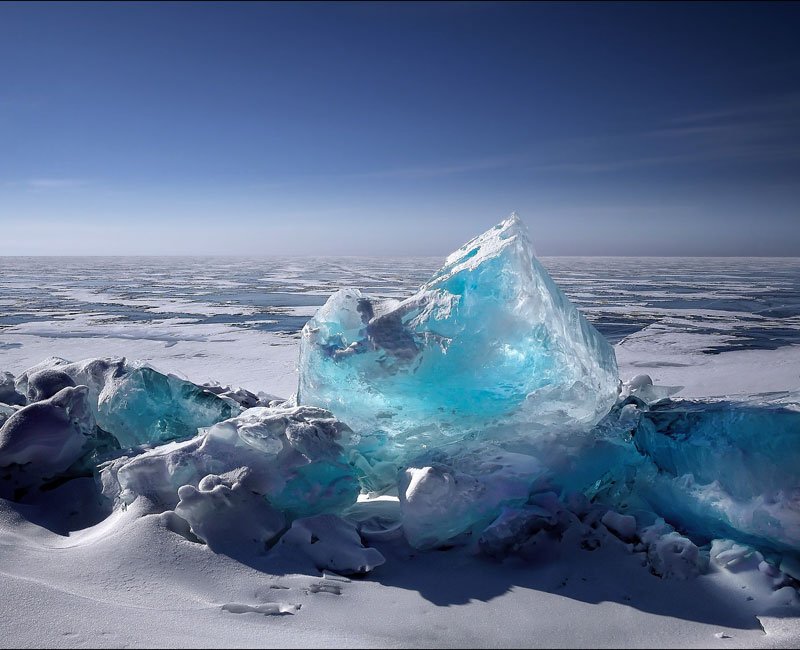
point(485, 402)
point(132, 401)
point(292, 456)
point(42, 440)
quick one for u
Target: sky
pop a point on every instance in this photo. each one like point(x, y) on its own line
point(398, 129)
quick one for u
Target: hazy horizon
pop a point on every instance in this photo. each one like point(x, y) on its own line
point(613, 129)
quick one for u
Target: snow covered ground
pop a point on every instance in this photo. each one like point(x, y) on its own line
point(131, 581)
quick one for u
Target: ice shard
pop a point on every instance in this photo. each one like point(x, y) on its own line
point(489, 338)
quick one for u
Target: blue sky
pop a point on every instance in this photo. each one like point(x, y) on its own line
point(374, 128)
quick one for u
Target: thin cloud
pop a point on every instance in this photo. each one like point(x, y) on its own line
point(757, 133)
point(55, 183)
point(788, 104)
point(445, 169)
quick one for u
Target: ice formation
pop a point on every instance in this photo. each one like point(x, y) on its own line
point(442, 501)
point(724, 468)
point(42, 440)
point(45, 383)
point(8, 391)
point(292, 455)
point(485, 402)
point(132, 401)
point(227, 516)
point(489, 338)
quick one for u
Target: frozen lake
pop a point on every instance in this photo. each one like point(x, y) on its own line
point(236, 320)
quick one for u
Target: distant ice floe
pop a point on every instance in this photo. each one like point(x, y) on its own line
point(483, 411)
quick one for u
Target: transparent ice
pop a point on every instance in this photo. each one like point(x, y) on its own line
point(488, 339)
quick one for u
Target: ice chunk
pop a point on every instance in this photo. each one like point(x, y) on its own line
point(228, 517)
point(672, 555)
point(512, 528)
point(642, 387)
point(445, 500)
point(43, 439)
point(45, 383)
point(134, 402)
point(724, 469)
point(8, 392)
point(490, 336)
point(624, 526)
point(145, 406)
point(331, 543)
point(293, 457)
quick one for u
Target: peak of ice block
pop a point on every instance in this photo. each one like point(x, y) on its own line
point(489, 338)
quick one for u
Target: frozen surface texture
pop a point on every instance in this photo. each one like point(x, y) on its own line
point(330, 543)
point(291, 455)
point(42, 440)
point(489, 338)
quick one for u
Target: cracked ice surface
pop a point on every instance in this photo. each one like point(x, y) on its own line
point(488, 339)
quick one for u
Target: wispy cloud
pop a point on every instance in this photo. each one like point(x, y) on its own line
point(780, 105)
point(444, 169)
point(55, 183)
point(754, 133)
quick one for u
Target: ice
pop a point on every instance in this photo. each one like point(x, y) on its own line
point(8, 392)
point(724, 468)
point(331, 543)
point(42, 440)
point(624, 526)
point(671, 555)
point(461, 495)
point(132, 401)
point(489, 338)
point(45, 383)
point(512, 528)
point(292, 456)
point(228, 517)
